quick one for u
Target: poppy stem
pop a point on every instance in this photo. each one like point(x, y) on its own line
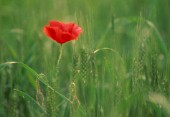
point(59, 58)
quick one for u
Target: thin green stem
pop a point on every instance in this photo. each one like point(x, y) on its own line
point(59, 58)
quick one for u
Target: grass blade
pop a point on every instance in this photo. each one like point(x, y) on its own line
point(33, 72)
point(29, 98)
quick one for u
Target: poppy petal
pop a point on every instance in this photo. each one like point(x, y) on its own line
point(58, 35)
point(55, 24)
point(68, 27)
point(53, 33)
point(50, 32)
point(76, 30)
point(67, 37)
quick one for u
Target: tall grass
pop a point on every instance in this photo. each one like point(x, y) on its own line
point(119, 66)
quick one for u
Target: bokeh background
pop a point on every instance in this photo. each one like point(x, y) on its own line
point(136, 31)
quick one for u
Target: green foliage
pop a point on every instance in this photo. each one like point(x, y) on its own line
point(119, 66)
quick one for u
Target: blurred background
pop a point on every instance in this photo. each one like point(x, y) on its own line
point(138, 30)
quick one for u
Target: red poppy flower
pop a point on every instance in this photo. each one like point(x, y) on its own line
point(62, 32)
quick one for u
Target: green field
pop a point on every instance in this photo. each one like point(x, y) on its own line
point(118, 67)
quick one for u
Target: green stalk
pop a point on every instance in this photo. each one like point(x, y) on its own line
point(58, 62)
